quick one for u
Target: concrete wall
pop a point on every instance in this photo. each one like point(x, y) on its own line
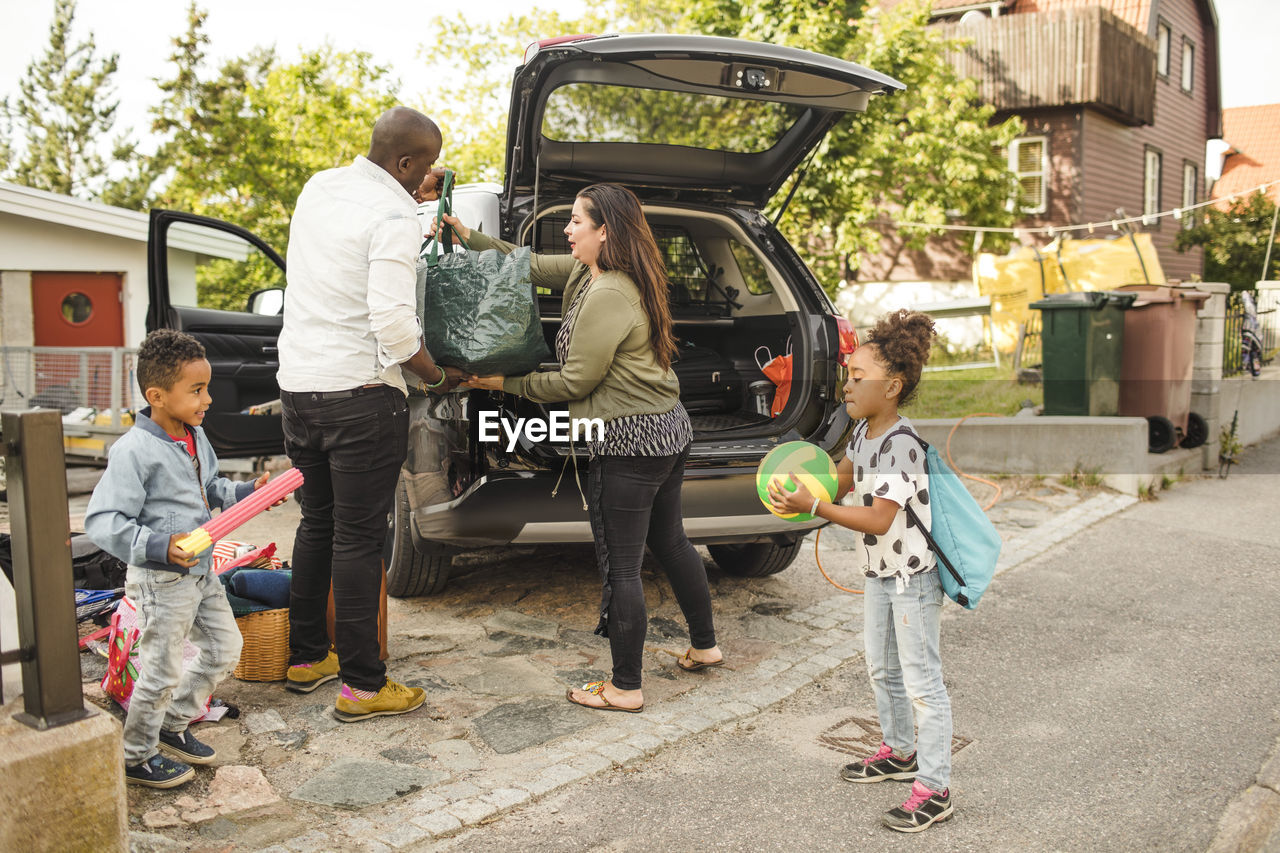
point(1257, 401)
point(16, 327)
point(1115, 448)
point(1206, 372)
point(31, 245)
point(63, 788)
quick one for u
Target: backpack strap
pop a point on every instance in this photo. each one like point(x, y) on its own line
point(911, 513)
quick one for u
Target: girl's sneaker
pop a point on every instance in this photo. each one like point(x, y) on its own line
point(922, 809)
point(159, 771)
point(881, 766)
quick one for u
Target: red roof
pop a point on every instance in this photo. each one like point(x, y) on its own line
point(1254, 159)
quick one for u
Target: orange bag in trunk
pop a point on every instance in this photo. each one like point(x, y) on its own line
point(778, 371)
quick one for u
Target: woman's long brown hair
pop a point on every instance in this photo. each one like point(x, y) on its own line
point(629, 247)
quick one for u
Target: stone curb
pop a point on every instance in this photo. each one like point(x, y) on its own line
point(450, 808)
point(1251, 822)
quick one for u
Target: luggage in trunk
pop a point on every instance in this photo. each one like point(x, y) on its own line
point(709, 383)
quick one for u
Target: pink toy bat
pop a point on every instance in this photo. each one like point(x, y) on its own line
point(203, 537)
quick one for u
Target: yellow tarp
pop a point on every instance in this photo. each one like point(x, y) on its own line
point(1024, 275)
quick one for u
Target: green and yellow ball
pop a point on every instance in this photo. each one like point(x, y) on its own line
point(797, 462)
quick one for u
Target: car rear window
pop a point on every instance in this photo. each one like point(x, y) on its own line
point(687, 272)
point(587, 112)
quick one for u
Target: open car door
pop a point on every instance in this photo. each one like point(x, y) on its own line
point(224, 287)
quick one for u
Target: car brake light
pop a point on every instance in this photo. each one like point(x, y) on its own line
point(848, 339)
point(532, 50)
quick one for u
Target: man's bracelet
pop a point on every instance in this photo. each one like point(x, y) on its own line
point(813, 510)
point(438, 382)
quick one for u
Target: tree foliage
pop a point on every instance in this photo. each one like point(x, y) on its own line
point(1235, 241)
point(930, 154)
point(241, 143)
point(64, 108)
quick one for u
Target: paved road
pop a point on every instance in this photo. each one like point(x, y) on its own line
point(1118, 692)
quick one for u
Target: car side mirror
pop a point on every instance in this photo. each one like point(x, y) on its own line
point(268, 302)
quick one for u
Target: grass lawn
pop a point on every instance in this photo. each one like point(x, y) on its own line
point(956, 393)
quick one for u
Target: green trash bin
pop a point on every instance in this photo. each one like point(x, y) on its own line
point(1083, 339)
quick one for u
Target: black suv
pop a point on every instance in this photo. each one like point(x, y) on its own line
point(705, 130)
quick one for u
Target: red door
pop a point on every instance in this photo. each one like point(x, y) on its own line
point(76, 309)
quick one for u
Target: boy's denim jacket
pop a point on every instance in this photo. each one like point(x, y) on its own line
point(152, 489)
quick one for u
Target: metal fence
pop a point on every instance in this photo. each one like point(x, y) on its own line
point(96, 382)
point(1268, 303)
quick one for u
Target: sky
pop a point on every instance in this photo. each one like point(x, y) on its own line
point(393, 31)
point(141, 32)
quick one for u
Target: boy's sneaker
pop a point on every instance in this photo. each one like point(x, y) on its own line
point(184, 745)
point(881, 766)
point(306, 677)
point(393, 698)
point(921, 810)
point(159, 771)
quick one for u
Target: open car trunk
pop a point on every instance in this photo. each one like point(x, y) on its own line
point(733, 310)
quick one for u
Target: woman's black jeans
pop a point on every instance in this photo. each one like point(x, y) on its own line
point(634, 500)
point(349, 450)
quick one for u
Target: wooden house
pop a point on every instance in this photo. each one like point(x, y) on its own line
point(1119, 98)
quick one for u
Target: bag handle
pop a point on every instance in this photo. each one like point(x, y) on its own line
point(766, 352)
point(445, 232)
point(961, 598)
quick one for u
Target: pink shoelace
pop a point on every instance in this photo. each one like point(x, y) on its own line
point(884, 752)
point(919, 796)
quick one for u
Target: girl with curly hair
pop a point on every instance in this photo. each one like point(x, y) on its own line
point(902, 594)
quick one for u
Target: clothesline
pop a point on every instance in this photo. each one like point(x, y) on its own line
point(1113, 224)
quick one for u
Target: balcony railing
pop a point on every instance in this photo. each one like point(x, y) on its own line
point(1073, 57)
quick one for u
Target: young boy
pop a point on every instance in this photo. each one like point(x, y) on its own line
point(161, 482)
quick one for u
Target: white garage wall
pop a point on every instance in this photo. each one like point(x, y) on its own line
point(32, 245)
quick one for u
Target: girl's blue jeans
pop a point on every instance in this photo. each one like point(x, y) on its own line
point(901, 638)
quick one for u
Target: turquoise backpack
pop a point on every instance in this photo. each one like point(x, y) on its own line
point(963, 538)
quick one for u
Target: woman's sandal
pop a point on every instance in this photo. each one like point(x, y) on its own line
point(596, 688)
point(688, 664)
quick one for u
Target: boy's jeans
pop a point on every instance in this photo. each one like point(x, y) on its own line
point(906, 672)
point(171, 608)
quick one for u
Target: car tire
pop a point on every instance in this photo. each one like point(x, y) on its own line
point(409, 572)
point(755, 559)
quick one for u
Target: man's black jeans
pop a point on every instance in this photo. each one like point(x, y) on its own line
point(350, 450)
point(634, 500)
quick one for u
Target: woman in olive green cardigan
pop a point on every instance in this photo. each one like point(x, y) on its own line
point(614, 347)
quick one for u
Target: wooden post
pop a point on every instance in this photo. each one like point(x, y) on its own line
point(42, 577)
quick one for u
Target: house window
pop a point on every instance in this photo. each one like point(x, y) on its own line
point(1151, 185)
point(1029, 161)
point(1163, 37)
point(1190, 175)
point(1188, 65)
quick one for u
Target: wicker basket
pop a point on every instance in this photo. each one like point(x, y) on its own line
point(265, 656)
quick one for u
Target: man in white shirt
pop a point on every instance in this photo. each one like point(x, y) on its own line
point(350, 324)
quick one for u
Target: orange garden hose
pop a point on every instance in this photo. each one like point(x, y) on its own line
point(954, 467)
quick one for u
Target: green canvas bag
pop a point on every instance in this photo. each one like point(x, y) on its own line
point(478, 309)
